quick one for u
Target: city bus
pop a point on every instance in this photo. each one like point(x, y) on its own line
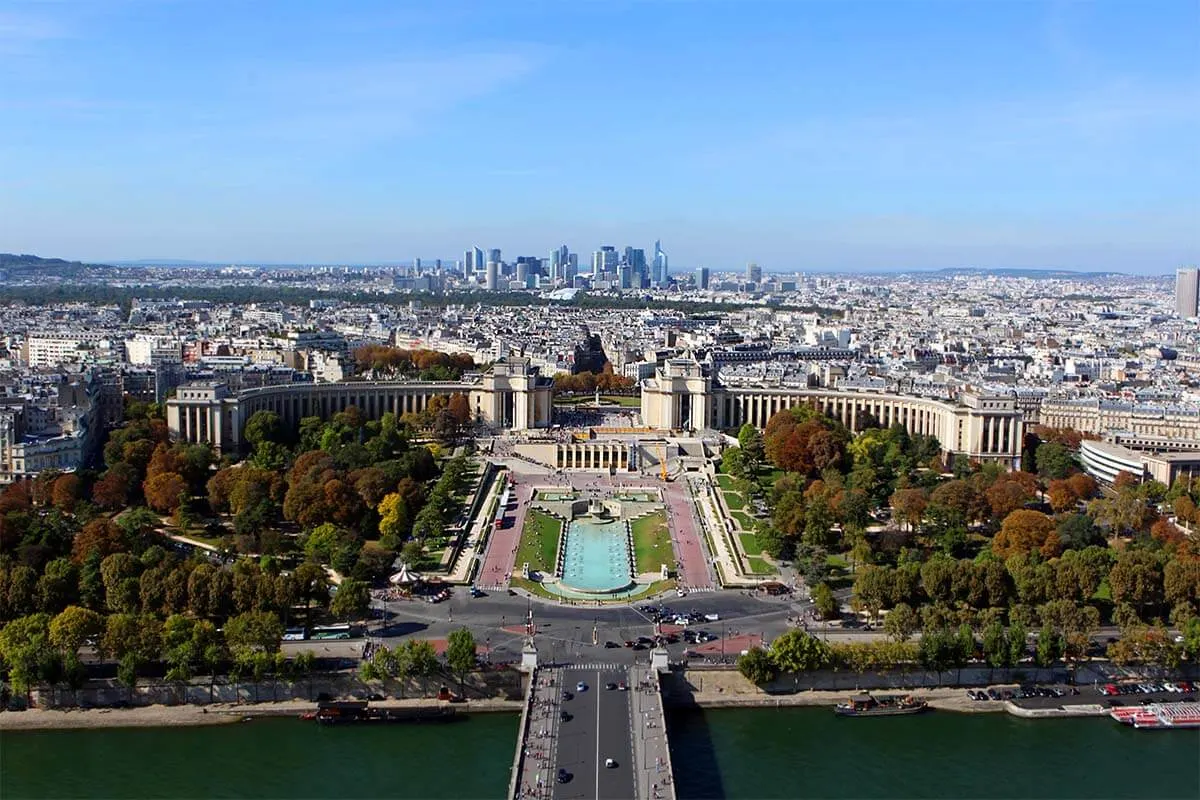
point(332, 632)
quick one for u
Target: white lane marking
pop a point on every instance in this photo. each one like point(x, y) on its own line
point(597, 736)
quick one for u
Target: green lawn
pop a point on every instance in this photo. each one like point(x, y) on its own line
point(652, 542)
point(743, 519)
point(725, 482)
point(734, 500)
point(750, 544)
point(619, 399)
point(767, 476)
point(758, 566)
point(539, 542)
point(838, 562)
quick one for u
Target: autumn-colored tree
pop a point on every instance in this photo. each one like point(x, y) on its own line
point(1083, 485)
point(100, 535)
point(1166, 532)
point(112, 491)
point(460, 409)
point(1061, 496)
point(66, 491)
point(1125, 480)
point(1022, 530)
point(1006, 496)
point(165, 491)
point(1185, 509)
point(908, 505)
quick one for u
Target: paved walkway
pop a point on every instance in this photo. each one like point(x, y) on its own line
point(536, 770)
point(500, 561)
point(652, 755)
point(694, 571)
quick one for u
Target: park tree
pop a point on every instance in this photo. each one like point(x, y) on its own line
point(460, 654)
point(58, 587)
point(1054, 460)
point(873, 588)
point(901, 622)
point(101, 536)
point(908, 506)
point(1136, 579)
point(1022, 530)
point(750, 441)
point(25, 649)
point(263, 426)
point(757, 666)
point(165, 491)
point(824, 601)
point(797, 651)
point(352, 600)
point(70, 629)
point(257, 631)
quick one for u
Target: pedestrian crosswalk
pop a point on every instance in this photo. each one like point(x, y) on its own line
point(597, 666)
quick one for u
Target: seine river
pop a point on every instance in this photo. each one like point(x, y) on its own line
point(753, 753)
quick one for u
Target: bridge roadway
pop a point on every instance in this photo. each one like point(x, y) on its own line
point(578, 731)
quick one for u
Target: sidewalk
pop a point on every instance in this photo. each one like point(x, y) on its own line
point(537, 774)
point(652, 757)
point(479, 528)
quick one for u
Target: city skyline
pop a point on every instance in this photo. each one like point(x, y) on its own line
point(817, 137)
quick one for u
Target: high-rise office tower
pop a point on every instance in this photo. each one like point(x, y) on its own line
point(492, 277)
point(478, 265)
point(1187, 291)
point(494, 255)
point(571, 269)
point(556, 264)
point(753, 273)
point(659, 273)
point(702, 278)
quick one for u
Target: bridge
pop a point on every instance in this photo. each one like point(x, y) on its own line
point(598, 727)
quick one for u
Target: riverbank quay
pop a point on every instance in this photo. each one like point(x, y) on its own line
point(216, 714)
point(727, 688)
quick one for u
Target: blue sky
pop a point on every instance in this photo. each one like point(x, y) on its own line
point(801, 134)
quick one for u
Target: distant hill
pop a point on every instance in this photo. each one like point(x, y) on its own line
point(24, 264)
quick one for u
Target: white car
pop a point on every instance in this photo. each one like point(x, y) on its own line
point(581, 687)
point(610, 762)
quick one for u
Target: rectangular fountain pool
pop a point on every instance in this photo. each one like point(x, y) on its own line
point(596, 556)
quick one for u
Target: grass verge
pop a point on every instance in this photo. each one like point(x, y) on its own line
point(539, 542)
point(652, 542)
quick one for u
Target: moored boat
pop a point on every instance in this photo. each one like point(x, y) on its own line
point(1159, 716)
point(865, 705)
point(354, 712)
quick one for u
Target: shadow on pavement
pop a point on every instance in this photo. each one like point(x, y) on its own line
point(400, 629)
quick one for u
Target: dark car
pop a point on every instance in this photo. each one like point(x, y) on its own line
point(565, 716)
point(610, 645)
point(610, 686)
point(567, 695)
point(563, 775)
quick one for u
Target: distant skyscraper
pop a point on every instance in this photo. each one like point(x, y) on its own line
point(493, 276)
point(556, 265)
point(753, 273)
point(659, 273)
point(571, 269)
point(702, 278)
point(494, 255)
point(478, 265)
point(1187, 291)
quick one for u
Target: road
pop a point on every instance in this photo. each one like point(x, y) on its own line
point(599, 729)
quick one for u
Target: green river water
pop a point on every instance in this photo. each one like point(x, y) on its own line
point(751, 753)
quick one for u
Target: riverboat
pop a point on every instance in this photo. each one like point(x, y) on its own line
point(865, 705)
point(358, 713)
point(1159, 716)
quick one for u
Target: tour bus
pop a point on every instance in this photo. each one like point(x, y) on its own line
point(293, 635)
